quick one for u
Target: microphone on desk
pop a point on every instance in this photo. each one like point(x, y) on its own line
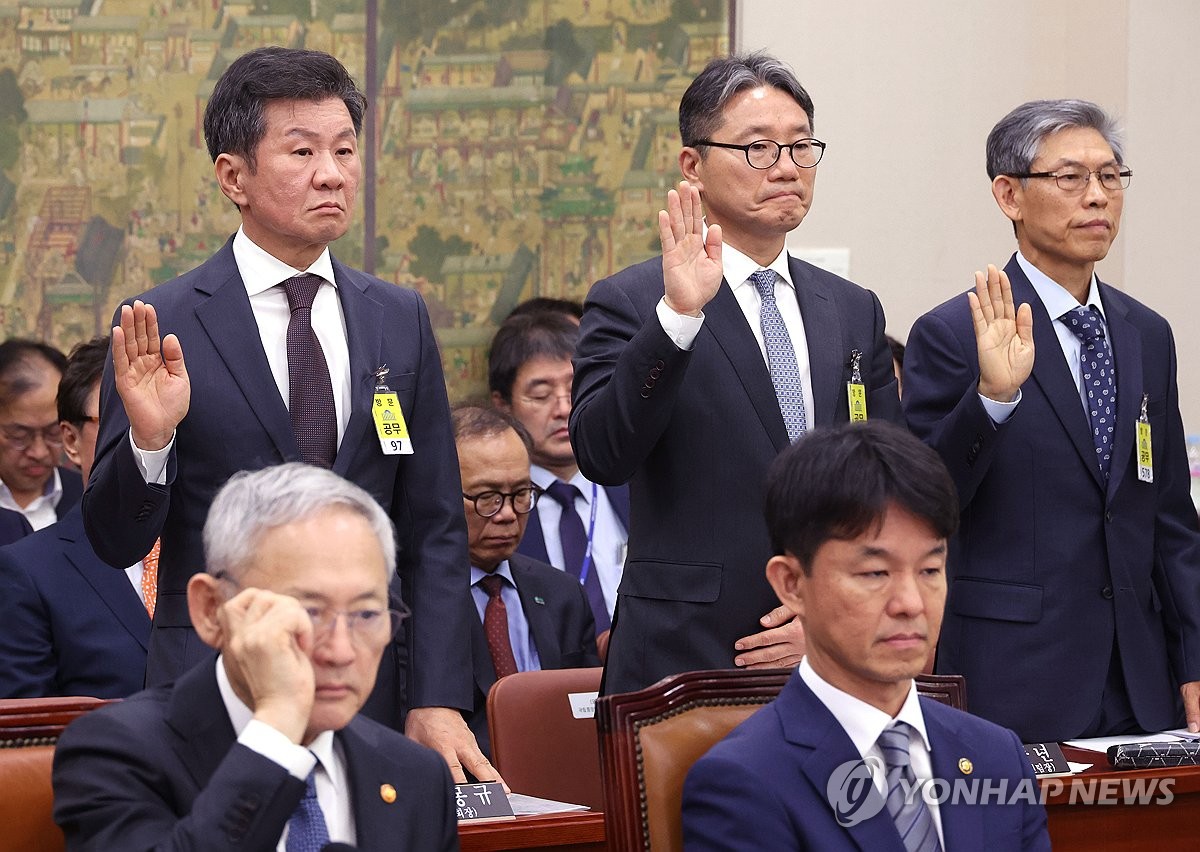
point(1148, 755)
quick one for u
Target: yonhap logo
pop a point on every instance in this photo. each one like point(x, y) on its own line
point(851, 791)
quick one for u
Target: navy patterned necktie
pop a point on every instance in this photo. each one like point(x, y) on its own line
point(573, 537)
point(904, 801)
point(781, 357)
point(1099, 379)
point(310, 391)
point(307, 831)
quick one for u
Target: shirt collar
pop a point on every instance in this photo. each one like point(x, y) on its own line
point(738, 267)
point(262, 271)
point(502, 570)
point(543, 478)
point(52, 492)
point(1054, 296)
point(862, 722)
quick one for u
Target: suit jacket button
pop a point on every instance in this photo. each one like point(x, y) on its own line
point(1108, 516)
point(1107, 593)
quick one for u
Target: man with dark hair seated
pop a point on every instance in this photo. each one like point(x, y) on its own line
point(848, 756)
point(263, 747)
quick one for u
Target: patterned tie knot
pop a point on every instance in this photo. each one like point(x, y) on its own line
point(894, 744)
point(492, 584)
point(302, 290)
point(564, 493)
point(764, 283)
point(1085, 324)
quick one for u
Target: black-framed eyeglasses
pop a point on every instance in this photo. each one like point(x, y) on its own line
point(22, 437)
point(1074, 181)
point(489, 503)
point(366, 625)
point(764, 153)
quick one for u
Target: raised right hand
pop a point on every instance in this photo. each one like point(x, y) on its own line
point(691, 260)
point(151, 378)
point(1003, 336)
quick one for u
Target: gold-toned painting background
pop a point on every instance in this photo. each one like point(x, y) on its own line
point(521, 147)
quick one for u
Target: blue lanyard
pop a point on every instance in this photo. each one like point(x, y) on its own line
point(587, 554)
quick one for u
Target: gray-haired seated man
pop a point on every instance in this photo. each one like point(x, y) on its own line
point(263, 747)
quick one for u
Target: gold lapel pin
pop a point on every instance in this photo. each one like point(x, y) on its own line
point(387, 792)
point(965, 766)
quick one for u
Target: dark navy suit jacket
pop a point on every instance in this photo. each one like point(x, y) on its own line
point(765, 786)
point(238, 421)
point(560, 622)
point(69, 623)
point(1052, 566)
point(14, 525)
point(693, 433)
point(163, 770)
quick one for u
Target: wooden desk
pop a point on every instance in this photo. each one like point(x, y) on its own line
point(1154, 827)
point(575, 831)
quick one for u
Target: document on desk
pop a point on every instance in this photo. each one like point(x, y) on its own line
point(1102, 744)
point(523, 805)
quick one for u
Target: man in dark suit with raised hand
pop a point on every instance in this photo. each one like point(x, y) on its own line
point(695, 369)
point(264, 747)
point(531, 616)
point(849, 757)
point(1074, 600)
point(285, 349)
point(69, 623)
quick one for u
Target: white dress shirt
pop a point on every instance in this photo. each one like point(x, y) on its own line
point(42, 510)
point(261, 273)
point(324, 753)
point(738, 268)
point(609, 537)
point(864, 723)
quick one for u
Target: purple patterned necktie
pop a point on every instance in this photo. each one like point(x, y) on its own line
point(1099, 379)
point(307, 831)
point(905, 802)
point(574, 547)
point(781, 357)
point(310, 392)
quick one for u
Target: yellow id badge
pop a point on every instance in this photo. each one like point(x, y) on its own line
point(390, 425)
point(856, 392)
point(1145, 450)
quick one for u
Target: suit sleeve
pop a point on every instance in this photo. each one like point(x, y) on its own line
point(727, 807)
point(627, 379)
point(434, 565)
point(122, 514)
point(27, 663)
point(883, 402)
point(941, 400)
point(111, 792)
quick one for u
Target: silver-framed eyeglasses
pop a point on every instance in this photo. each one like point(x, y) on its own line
point(22, 437)
point(367, 625)
point(489, 503)
point(764, 153)
point(1073, 180)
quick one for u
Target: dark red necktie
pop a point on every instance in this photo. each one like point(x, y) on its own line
point(495, 627)
point(310, 392)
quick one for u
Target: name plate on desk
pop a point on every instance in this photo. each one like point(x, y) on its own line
point(482, 802)
point(1047, 759)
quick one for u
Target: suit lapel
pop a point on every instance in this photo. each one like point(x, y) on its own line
point(823, 331)
point(72, 490)
point(536, 603)
point(226, 316)
point(196, 714)
point(111, 585)
point(1126, 343)
point(725, 321)
point(1052, 375)
point(376, 821)
point(533, 542)
point(822, 746)
point(364, 337)
point(962, 822)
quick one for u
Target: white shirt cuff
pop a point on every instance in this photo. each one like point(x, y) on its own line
point(1000, 411)
point(681, 328)
point(152, 463)
point(274, 746)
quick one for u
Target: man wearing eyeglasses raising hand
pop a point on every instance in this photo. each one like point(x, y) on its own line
point(1073, 607)
point(695, 369)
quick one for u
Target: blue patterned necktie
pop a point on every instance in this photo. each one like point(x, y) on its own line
point(306, 828)
point(573, 537)
point(781, 357)
point(904, 801)
point(1099, 379)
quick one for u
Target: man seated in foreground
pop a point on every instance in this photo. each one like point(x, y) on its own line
point(263, 747)
point(844, 758)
